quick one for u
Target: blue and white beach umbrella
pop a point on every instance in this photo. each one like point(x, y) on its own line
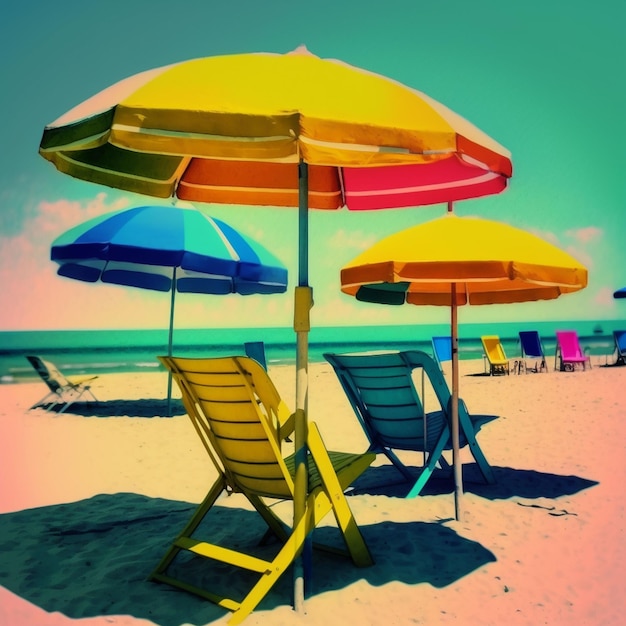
point(168, 249)
point(620, 293)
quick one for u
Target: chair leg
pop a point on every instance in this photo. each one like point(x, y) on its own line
point(43, 400)
point(398, 464)
point(429, 468)
point(275, 524)
point(336, 500)
point(72, 400)
point(281, 562)
point(465, 425)
point(188, 530)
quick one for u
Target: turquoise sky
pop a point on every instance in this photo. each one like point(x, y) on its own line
point(544, 78)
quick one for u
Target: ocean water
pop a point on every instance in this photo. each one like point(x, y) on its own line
point(101, 351)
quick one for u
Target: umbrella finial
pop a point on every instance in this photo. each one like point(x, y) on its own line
point(301, 50)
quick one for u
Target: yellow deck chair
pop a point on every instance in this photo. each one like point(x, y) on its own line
point(495, 355)
point(241, 420)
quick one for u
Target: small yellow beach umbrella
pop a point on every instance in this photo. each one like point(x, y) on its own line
point(453, 261)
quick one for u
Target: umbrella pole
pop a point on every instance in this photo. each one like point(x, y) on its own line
point(456, 459)
point(169, 345)
point(302, 304)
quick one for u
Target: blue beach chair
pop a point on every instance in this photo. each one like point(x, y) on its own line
point(619, 336)
point(442, 349)
point(256, 350)
point(382, 394)
point(532, 348)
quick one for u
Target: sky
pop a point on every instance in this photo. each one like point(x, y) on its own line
point(544, 78)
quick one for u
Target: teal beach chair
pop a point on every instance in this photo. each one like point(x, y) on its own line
point(382, 394)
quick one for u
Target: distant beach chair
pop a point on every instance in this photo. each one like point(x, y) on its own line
point(619, 337)
point(256, 350)
point(532, 349)
point(242, 421)
point(569, 353)
point(61, 389)
point(381, 391)
point(442, 349)
point(495, 355)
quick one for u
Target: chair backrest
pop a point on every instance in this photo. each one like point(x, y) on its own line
point(620, 341)
point(493, 348)
point(568, 344)
point(49, 373)
point(442, 349)
point(256, 351)
point(531, 343)
point(237, 413)
point(382, 393)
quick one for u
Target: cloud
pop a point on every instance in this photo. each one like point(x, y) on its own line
point(603, 297)
point(353, 240)
point(35, 297)
point(585, 235)
point(579, 248)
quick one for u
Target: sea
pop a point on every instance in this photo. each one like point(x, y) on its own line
point(106, 351)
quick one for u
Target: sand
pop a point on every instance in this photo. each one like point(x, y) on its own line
point(89, 503)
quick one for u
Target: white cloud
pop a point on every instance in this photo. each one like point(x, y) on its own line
point(585, 235)
point(353, 240)
point(603, 298)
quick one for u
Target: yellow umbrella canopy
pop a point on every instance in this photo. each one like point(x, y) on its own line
point(452, 261)
point(488, 262)
point(176, 130)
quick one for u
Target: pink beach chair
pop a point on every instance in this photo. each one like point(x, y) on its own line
point(569, 354)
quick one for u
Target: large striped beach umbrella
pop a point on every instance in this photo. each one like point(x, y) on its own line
point(453, 261)
point(289, 130)
point(165, 249)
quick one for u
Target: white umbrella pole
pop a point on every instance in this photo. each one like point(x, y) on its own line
point(169, 345)
point(456, 459)
point(302, 305)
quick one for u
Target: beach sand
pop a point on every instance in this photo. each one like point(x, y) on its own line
point(88, 505)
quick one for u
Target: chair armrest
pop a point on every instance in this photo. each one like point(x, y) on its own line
point(285, 429)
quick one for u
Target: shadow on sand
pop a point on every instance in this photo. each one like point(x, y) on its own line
point(147, 407)
point(92, 557)
point(510, 482)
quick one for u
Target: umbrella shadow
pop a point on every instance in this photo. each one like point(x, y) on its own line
point(93, 557)
point(510, 482)
point(146, 407)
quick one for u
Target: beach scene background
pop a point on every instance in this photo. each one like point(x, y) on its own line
point(91, 499)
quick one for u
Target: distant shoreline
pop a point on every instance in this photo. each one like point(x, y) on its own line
point(83, 352)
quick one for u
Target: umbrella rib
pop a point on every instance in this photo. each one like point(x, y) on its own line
point(223, 238)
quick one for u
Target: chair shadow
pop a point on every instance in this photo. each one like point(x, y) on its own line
point(92, 557)
point(510, 482)
point(146, 407)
